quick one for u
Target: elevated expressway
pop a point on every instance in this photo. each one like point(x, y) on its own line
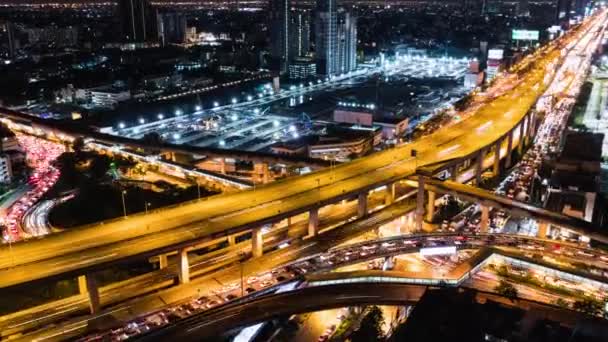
point(182, 227)
point(322, 289)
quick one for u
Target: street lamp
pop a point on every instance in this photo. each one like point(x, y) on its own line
point(142, 121)
point(124, 207)
point(161, 116)
point(121, 125)
point(148, 204)
point(198, 108)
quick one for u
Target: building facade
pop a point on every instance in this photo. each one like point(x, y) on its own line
point(336, 39)
point(137, 20)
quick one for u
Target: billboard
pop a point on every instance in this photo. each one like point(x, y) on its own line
point(447, 250)
point(495, 54)
point(524, 35)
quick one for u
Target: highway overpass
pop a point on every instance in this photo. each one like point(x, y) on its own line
point(180, 228)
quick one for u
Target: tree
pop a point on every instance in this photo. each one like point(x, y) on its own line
point(506, 289)
point(588, 306)
point(370, 328)
point(78, 145)
point(562, 303)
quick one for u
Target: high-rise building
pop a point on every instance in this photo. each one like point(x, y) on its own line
point(171, 28)
point(336, 39)
point(299, 34)
point(347, 42)
point(13, 44)
point(279, 34)
point(562, 12)
point(138, 20)
point(326, 37)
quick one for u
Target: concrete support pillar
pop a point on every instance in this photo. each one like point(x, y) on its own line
point(173, 157)
point(362, 204)
point(223, 165)
point(496, 166)
point(184, 266)
point(257, 242)
point(454, 172)
point(162, 261)
point(231, 240)
point(479, 166)
point(390, 194)
point(520, 146)
point(82, 284)
point(265, 173)
point(289, 221)
point(420, 203)
point(313, 222)
point(543, 230)
point(88, 285)
point(430, 206)
point(485, 218)
point(509, 149)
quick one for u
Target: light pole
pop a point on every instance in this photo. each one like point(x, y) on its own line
point(124, 207)
point(148, 204)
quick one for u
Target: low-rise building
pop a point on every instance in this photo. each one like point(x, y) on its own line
point(6, 171)
point(393, 126)
point(573, 186)
point(302, 68)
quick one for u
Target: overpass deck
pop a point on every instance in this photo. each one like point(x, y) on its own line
point(227, 214)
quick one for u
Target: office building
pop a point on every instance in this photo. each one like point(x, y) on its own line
point(347, 42)
point(138, 21)
point(562, 12)
point(299, 34)
point(302, 68)
point(336, 39)
point(171, 28)
point(13, 44)
point(279, 34)
point(6, 171)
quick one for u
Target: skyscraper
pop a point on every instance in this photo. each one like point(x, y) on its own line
point(326, 37)
point(562, 12)
point(171, 28)
point(137, 20)
point(347, 42)
point(336, 39)
point(279, 34)
point(299, 33)
point(12, 41)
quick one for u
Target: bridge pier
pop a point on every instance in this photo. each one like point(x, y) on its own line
point(509, 149)
point(88, 285)
point(390, 194)
point(162, 261)
point(543, 230)
point(420, 203)
point(265, 173)
point(362, 204)
point(223, 165)
point(313, 222)
point(184, 266)
point(231, 240)
point(257, 242)
point(520, 145)
point(479, 166)
point(454, 172)
point(496, 166)
point(485, 218)
point(430, 206)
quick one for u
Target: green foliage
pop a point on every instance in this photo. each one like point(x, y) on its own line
point(506, 289)
point(588, 306)
point(370, 328)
